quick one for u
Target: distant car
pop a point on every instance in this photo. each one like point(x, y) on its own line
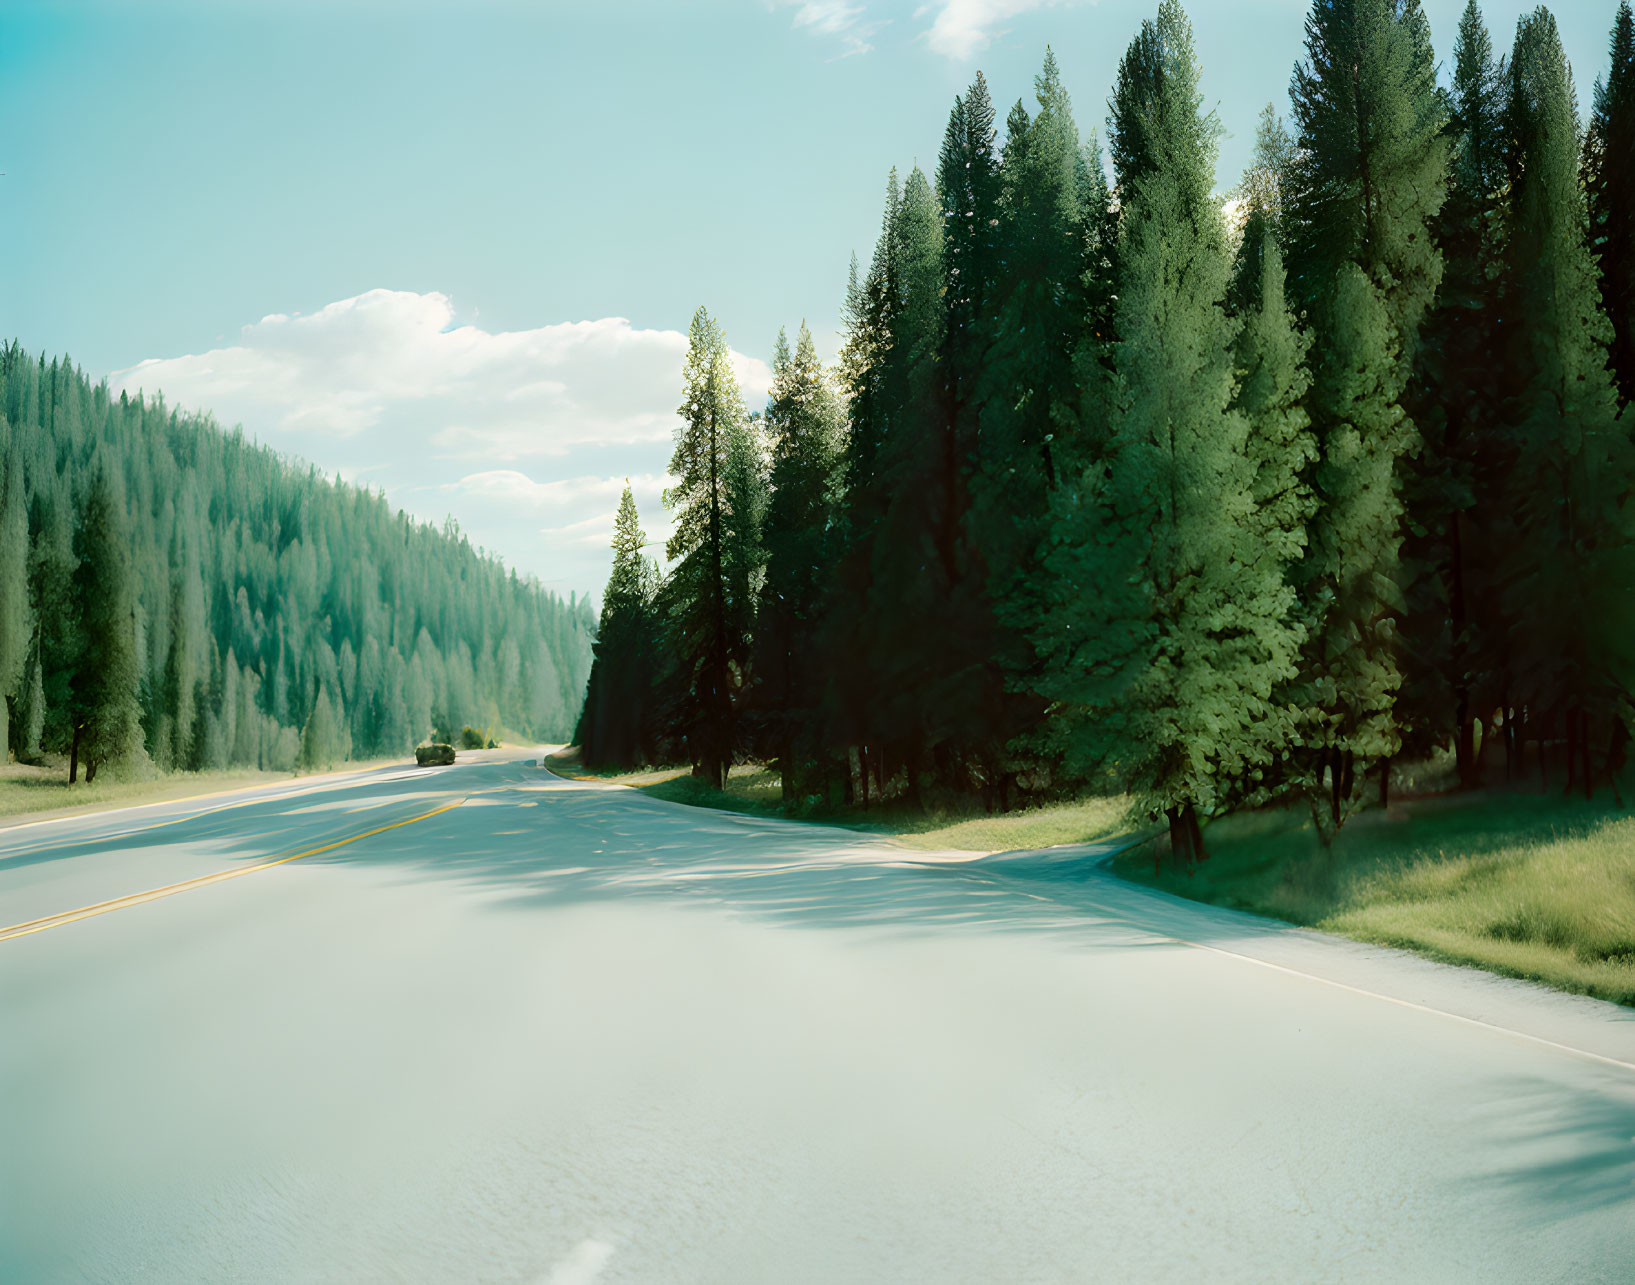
point(434, 755)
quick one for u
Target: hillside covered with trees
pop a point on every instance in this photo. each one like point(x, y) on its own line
point(172, 592)
point(1123, 485)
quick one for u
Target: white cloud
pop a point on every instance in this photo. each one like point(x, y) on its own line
point(394, 357)
point(539, 426)
point(836, 18)
point(526, 501)
point(964, 28)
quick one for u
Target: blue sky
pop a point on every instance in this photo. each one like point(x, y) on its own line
point(511, 180)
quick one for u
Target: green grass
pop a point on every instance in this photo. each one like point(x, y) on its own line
point(35, 792)
point(754, 790)
point(1528, 886)
point(27, 790)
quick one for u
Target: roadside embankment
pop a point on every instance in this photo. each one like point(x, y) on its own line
point(1525, 885)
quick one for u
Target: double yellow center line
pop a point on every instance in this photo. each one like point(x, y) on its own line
point(31, 926)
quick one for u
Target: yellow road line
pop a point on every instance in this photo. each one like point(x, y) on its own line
point(137, 898)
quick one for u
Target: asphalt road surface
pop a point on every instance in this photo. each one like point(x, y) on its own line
point(491, 1025)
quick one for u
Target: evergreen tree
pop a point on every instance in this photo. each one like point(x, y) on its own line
point(1031, 384)
point(1260, 196)
point(870, 308)
point(321, 735)
point(180, 745)
point(909, 583)
point(970, 683)
point(15, 625)
point(103, 702)
point(1571, 572)
point(56, 642)
point(235, 552)
point(744, 492)
point(1366, 188)
point(617, 726)
point(1171, 626)
point(1272, 383)
point(1609, 174)
point(696, 590)
point(1453, 629)
point(803, 427)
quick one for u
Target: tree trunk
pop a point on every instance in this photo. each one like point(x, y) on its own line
point(1470, 768)
point(1572, 750)
point(1195, 834)
point(1465, 751)
point(1583, 741)
point(73, 757)
point(90, 771)
point(863, 773)
point(1334, 786)
point(1512, 746)
point(1177, 840)
point(1385, 783)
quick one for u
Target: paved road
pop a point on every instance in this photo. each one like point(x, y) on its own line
point(563, 1033)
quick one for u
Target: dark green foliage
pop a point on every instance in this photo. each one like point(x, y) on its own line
point(1037, 389)
point(324, 739)
point(1029, 392)
point(1365, 190)
point(15, 623)
point(870, 308)
point(744, 491)
point(1454, 630)
point(1110, 499)
point(618, 726)
point(1261, 196)
point(1171, 633)
point(803, 422)
point(437, 755)
point(1609, 178)
point(246, 586)
point(706, 611)
point(102, 702)
point(909, 578)
point(1570, 574)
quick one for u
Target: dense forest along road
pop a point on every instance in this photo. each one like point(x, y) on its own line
point(491, 1025)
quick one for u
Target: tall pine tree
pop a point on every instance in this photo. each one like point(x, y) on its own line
point(803, 429)
point(1171, 630)
point(1571, 566)
point(1609, 174)
point(617, 726)
point(15, 623)
point(106, 727)
point(1366, 188)
point(1454, 630)
point(870, 308)
point(697, 591)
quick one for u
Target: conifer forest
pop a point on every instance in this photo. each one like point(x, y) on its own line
point(177, 596)
point(1126, 482)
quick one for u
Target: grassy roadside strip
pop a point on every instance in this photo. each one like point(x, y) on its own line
point(29, 793)
point(1525, 885)
point(756, 791)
